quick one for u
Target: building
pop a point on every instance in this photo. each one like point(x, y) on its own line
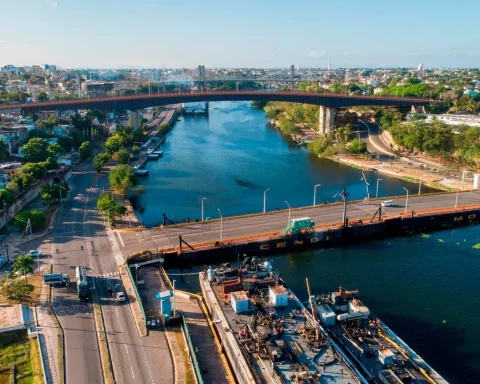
point(97, 87)
point(44, 115)
point(14, 137)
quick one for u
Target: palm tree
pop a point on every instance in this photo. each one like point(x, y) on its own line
point(23, 264)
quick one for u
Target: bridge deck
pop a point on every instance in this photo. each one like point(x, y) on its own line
point(245, 227)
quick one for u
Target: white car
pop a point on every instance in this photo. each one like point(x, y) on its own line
point(35, 253)
point(120, 296)
point(387, 203)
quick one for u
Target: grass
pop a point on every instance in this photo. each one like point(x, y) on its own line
point(36, 361)
point(189, 375)
point(102, 341)
point(16, 353)
point(33, 297)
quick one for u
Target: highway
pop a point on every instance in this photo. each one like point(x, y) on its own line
point(167, 237)
point(134, 359)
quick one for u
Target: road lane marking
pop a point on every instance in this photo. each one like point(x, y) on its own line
point(121, 240)
point(132, 372)
point(115, 249)
point(117, 311)
point(126, 348)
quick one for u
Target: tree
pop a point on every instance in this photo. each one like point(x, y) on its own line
point(114, 143)
point(85, 150)
point(135, 150)
point(122, 156)
point(357, 146)
point(37, 219)
point(55, 150)
point(4, 152)
point(52, 192)
point(50, 164)
point(36, 150)
point(122, 178)
point(259, 104)
point(24, 265)
point(107, 204)
point(14, 289)
point(100, 160)
point(42, 96)
point(6, 196)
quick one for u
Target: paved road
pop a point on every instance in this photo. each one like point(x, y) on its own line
point(133, 358)
point(246, 226)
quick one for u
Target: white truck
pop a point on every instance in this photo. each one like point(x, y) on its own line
point(35, 253)
point(56, 279)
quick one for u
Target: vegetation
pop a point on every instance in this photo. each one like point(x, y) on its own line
point(135, 150)
point(52, 192)
point(36, 150)
point(259, 104)
point(23, 264)
point(122, 178)
point(37, 219)
point(85, 150)
point(163, 128)
point(122, 156)
point(109, 207)
point(4, 152)
point(100, 160)
point(14, 288)
point(20, 356)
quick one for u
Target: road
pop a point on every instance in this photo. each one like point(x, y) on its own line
point(80, 225)
point(131, 242)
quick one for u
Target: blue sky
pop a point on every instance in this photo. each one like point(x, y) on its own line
point(244, 33)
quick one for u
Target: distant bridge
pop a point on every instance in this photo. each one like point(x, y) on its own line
point(327, 102)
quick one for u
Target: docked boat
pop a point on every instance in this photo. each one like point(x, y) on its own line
point(268, 335)
point(159, 153)
point(378, 352)
point(140, 171)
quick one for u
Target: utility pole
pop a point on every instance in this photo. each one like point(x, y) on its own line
point(344, 195)
point(29, 228)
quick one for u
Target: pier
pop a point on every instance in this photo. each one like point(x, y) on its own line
point(253, 234)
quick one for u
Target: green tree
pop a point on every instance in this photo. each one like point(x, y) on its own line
point(4, 152)
point(357, 147)
point(37, 219)
point(109, 207)
point(14, 289)
point(135, 150)
point(122, 156)
point(114, 143)
point(122, 178)
point(258, 104)
point(50, 163)
point(6, 196)
point(52, 192)
point(36, 150)
point(100, 160)
point(42, 96)
point(55, 150)
point(23, 264)
point(48, 123)
point(85, 150)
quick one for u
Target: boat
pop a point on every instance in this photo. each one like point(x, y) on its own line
point(151, 155)
point(140, 172)
point(377, 351)
point(159, 153)
point(268, 335)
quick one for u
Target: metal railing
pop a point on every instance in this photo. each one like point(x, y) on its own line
point(193, 356)
point(137, 295)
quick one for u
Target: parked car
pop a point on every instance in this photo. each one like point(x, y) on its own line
point(36, 253)
point(120, 296)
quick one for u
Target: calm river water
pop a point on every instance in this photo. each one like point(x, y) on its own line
point(425, 288)
point(231, 158)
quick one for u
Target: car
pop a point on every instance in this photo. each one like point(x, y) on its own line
point(36, 253)
point(387, 203)
point(120, 296)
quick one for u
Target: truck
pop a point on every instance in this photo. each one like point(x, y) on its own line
point(56, 279)
point(35, 253)
point(82, 283)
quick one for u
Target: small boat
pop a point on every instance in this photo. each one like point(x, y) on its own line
point(159, 153)
point(140, 172)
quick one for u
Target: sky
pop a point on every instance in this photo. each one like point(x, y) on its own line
point(242, 33)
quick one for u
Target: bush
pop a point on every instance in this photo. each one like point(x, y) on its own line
point(37, 219)
point(122, 156)
point(357, 146)
point(100, 160)
point(85, 150)
point(122, 178)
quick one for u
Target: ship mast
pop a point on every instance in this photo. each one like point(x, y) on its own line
point(317, 336)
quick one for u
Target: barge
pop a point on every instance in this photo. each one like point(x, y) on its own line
point(376, 350)
point(268, 335)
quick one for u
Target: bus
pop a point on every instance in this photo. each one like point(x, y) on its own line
point(82, 283)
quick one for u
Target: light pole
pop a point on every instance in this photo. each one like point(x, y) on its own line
point(420, 187)
point(221, 225)
point(265, 200)
point(136, 274)
point(366, 184)
point(203, 199)
point(315, 193)
point(289, 211)
point(456, 199)
point(464, 171)
point(376, 193)
point(406, 201)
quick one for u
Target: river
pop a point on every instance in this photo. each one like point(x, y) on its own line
point(426, 288)
point(231, 158)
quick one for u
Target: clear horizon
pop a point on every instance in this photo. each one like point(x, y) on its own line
point(222, 34)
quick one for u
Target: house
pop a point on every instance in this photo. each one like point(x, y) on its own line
point(44, 115)
point(14, 137)
point(62, 130)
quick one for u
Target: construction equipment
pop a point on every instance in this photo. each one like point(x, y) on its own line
point(300, 225)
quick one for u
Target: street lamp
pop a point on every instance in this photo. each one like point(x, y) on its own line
point(406, 202)
point(289, 211)
point(376, 194)
point(420, 187)
point(366, 185)
point(456, 199)
point(265, 200)
point(136, 274)
point(203, 198)
point(315, 193)
point(221, 225)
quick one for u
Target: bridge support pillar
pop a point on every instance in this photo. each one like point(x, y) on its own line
point(134, 119)
point(419, 109)
point(326, 120)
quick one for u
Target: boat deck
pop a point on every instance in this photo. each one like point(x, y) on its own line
point(288, 329)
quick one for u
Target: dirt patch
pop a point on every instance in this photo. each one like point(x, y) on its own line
point(33, 297)
point(417, 174)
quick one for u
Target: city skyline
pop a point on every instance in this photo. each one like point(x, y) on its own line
point(109, 34)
